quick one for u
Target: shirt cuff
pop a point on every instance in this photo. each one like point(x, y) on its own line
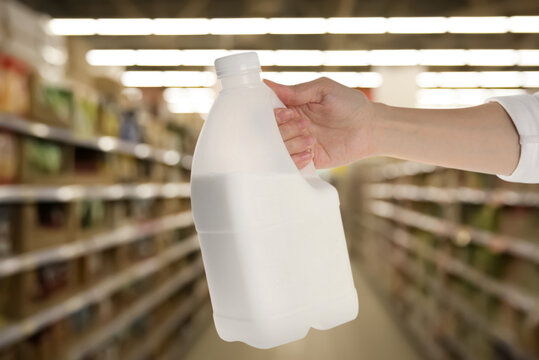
point(524, 112)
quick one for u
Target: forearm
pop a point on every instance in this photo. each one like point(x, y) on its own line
point(480, 138)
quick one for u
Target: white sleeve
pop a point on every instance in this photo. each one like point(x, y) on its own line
point(524, 111)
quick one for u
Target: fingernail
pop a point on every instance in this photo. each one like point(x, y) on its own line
point(283, 113)
point(308, 155)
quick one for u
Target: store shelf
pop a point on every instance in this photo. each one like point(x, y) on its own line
point(122, 235)
point(198, 323)
point(510, 294)
point(32, 324)
point(452, 195)
point(23, 193)
point(105, 333)
point(468, 313)
point(101, 143)
point(399, 169)
point(496, 242)
point(153, 341)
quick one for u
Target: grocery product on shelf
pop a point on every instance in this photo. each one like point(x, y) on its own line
point(9, 156)
point(85, 105)
point(14, 93)
point(109, 117)
point(51, 103)
point(130, 129)
point(469, 251)
point(86, 269)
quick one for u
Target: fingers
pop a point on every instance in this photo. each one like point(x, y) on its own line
point(299, 144)
point(283, 115)
point(302, 159)
point(300, 94)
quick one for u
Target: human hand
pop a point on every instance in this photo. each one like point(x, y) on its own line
point(324, 121)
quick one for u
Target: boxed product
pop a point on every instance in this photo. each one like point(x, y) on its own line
point(43, 287)
point(14, 87)
point(91, 166)
point(51, 103)
point(85, 111)
point(130, 128)
point(43, 161)
point(109, 118)
point(44, 224)
point(8, 157)
point(90, 216)
point(6, 231)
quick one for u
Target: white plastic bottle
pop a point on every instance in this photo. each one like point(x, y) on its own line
point(271, 236)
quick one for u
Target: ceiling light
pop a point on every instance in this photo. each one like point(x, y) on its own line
point(393, 57)
point(435, 98)
point(362, 25)
point(449, 57)
point(158, 57)
point(299, 57)
point(202, 57)
point(297, 26)
point(168, 78)
point(530, 79)
point(181, 26)
point(124, 26)
point(417, 25)
point(111, 57)
point(492, 57)
point(346, 58)
point(524, 24)
point(478, 25)
point(528, 57)
point(351, 79)
point(178, 95)
point(72, 26)
point(500, 79)
point(240, 26)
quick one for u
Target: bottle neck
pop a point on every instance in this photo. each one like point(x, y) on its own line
point(245, 79)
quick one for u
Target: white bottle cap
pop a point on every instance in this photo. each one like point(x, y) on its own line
point(237, 64)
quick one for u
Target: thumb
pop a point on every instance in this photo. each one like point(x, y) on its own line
point(299, 94)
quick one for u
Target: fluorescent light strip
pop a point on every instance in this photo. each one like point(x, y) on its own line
point(484, 79)
point(168, 78)
point(443, 98)
point(257, 26)
point(202, 79)
point(442, 57)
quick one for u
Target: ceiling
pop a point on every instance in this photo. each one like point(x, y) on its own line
point(281, 8)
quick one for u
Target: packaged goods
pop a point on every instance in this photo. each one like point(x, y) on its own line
point(43, 157)
point(14, 90)
point(6, 231)
point(8, 158)
point(52, 103)
point(108, 117)
point(271, 237)
point(85, 112)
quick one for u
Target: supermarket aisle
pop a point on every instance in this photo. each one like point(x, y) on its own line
point(372, 336)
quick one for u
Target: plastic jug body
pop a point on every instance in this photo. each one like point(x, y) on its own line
point(272, 239)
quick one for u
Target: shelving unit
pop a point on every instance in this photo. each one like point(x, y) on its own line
point(163, 233)
point(100, 143)
point(428, 239)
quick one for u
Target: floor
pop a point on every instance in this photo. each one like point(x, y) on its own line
point(373, 335)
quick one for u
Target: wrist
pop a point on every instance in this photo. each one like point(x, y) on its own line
point(378, 129)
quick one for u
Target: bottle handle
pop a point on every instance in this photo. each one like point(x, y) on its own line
point(309, 171)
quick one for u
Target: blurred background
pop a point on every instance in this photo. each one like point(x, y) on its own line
point(101, 103)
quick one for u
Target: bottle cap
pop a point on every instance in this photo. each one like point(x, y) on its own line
point(237, 64)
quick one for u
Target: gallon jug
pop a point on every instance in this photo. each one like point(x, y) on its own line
point(271, 236)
